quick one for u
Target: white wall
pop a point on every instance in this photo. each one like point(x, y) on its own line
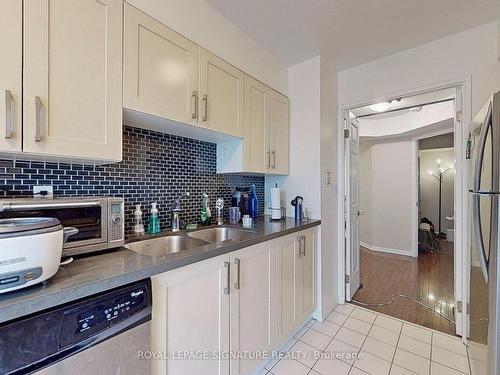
point(198, 21)
point(429, 187)
point(331, 268)
point(473, 53)
point(365, 190)
point(313, 124)
point(386, 195)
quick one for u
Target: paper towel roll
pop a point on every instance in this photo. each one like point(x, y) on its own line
point(275, 197)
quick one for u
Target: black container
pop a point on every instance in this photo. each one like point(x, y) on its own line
point(241, 199)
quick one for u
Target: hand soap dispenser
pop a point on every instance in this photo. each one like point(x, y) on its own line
point(154, 221)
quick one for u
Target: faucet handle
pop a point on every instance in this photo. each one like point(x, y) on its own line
point(219, 203)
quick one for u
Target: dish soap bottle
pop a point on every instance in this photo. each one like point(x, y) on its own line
point(154, 221)
point(253, 204)
point(138, 224)
point(206, 214)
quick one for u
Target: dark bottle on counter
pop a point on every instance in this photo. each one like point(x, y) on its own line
point(254, 204)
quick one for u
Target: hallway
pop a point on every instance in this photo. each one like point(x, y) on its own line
point(429, 279)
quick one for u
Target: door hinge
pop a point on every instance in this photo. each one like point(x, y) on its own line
point(347, 278)
point(460, 116)
point(347, 133)
point(459, 307)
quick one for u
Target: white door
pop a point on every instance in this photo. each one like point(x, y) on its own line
point(253, 304)
point(222, 92)
point(352, 270)
point(72, 95)
point(11, 45)
point(160, 69)
point(191, 313)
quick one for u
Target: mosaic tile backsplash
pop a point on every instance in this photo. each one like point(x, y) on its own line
point(156, 167)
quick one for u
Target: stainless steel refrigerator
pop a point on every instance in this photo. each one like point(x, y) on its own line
point(484, 308)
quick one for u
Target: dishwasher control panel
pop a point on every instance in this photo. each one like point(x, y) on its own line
point(85, 321)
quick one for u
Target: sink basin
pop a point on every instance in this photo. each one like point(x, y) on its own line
point(221, 234)
point(164, 245)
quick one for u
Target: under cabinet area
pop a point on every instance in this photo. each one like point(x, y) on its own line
point(68, 58)
point(234, 303)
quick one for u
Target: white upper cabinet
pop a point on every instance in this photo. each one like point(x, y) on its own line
point(279, 134)
point(160, 69)
point(222, 91)
point(11, 44)
point(266, 129)
point(256, 144)
point(72, 92)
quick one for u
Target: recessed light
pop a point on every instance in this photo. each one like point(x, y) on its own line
point(380, 107)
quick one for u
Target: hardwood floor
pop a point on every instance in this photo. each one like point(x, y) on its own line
point(428, 279)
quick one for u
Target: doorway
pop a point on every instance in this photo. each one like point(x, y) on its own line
point(401, 193)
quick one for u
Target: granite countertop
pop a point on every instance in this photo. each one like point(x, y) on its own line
point(97, 273)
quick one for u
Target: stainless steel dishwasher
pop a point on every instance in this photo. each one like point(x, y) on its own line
point(101, 334)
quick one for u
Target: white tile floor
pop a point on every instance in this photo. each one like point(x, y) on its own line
point(385, 345)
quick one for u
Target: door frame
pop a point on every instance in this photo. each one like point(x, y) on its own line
point(461, 245)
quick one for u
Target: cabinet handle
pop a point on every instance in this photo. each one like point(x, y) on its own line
point(268, 159)
point(303, 242)
point(38, 119)
point(205, 108)
point(8, 114)
point(274, 159)
point(194, 104)
point(227, 266)
point(299, 254)
point(237, 283)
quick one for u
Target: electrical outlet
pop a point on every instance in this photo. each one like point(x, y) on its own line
point(328, 178)
point(43, 191)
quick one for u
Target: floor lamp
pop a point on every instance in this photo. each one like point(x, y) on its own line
point(438, 174)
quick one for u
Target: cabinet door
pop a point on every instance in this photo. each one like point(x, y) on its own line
point(191, 314)
point(279, 134)
point(73, 78)
point(222, 91)
point(256, 143)
point(11, 44)
point(306, 276)
point(287, 263)
point(253, 317)
point(160, 69)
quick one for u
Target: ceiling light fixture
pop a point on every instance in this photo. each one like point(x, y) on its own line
point(380, 107)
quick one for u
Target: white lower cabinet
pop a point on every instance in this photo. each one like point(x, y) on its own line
point(244, 303)
point(253, 305)
point(191, 314)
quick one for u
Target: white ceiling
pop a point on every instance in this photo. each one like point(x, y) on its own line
point(352, 31)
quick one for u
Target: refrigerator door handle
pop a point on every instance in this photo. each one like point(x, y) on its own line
point(480, 151)
point(478, 231)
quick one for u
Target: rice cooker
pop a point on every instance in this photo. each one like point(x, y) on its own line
point(30, 250)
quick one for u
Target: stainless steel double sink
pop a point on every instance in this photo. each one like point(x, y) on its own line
point(161, 246)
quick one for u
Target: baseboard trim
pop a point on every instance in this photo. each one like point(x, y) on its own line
point(386, 250)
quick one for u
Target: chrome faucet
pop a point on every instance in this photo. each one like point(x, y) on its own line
point(176, 210)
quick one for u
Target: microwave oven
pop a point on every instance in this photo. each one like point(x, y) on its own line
point(99, 220)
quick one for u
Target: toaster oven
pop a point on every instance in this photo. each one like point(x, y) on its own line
point(99, 220)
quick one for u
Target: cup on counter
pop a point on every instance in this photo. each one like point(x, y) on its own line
point(247, 221)
point(234, 215)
